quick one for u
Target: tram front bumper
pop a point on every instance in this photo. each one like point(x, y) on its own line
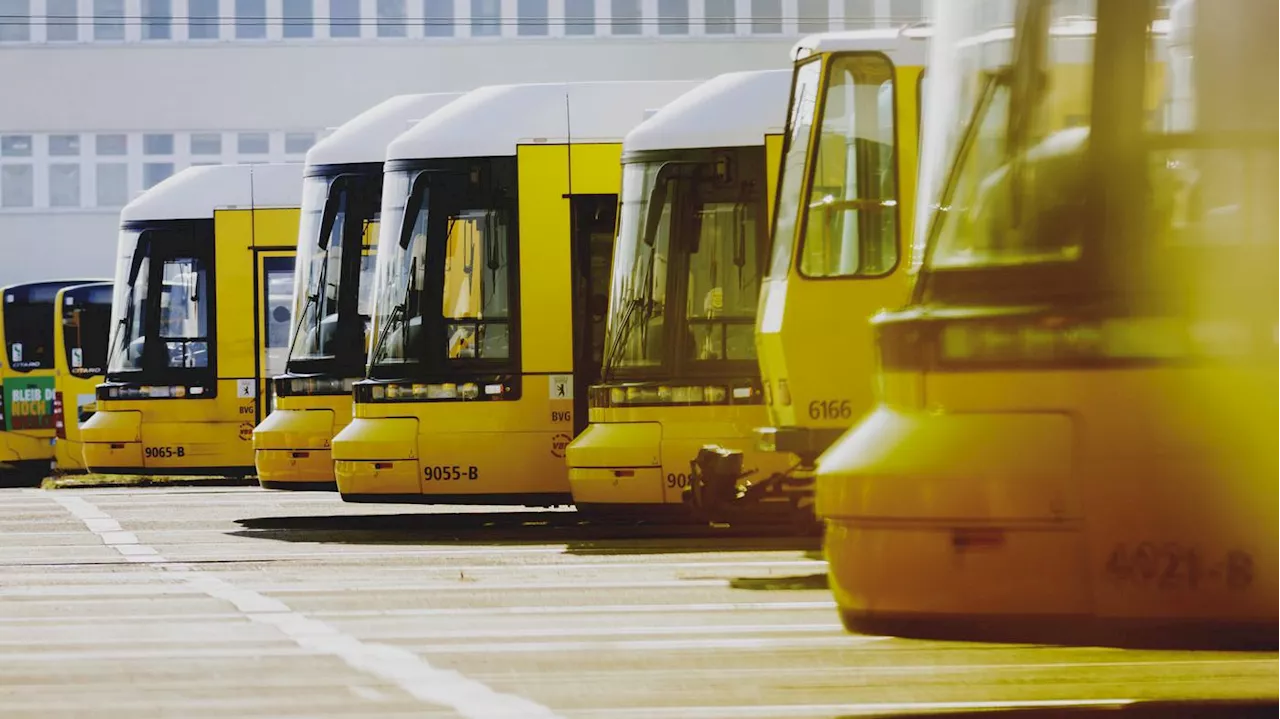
point(375, 459)
point(616, 463)
point(112, 440)
point(291, 450)
point(971, 516)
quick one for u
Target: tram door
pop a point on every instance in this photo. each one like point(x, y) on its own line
point(594, 223)
point(275, 320)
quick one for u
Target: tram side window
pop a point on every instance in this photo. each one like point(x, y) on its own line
point(476, 278)
point(184, 312)
point(851, 219)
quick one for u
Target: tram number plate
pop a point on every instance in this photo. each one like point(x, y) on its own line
point(1174, 566)
point(678, 480)
point(451, 473)
point(830, 409)
point(163, 452)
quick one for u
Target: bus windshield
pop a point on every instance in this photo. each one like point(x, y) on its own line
point(86, 316)
point(28, 332)
point(337, 213)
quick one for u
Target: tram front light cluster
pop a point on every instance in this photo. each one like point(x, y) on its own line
point(660, 395)
point(113, 392)
point(431, 391)
point(304, 386)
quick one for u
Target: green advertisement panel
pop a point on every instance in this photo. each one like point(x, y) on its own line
point(28, 403)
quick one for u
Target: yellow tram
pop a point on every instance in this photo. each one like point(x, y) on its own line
point(1076, 431)
point(201, 310)
point(497, 230)
point(81, 319)
point(333, 287)
point(698, 182)
point(838, 256)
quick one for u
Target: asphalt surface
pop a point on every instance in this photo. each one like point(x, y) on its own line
point(233, 601)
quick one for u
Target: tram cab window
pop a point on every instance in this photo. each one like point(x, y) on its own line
point(851, 216)
point(476, 271)
point(184, 312)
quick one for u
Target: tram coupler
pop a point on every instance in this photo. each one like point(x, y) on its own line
point(720, 492)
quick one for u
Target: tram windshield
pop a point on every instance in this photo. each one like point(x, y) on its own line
point(338, 212)
point(160, 318)
point(86, 315)
point(689, 257)
point(444, 273)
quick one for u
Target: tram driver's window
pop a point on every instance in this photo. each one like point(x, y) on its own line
point(852, 211)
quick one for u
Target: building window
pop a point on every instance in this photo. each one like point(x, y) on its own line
point(111, 144)
point(391, 15)
point(113, 184)
point(905, 11)
point(153, 173)
point(437, 18)
point(720, 17)
point(298, 19)
point(486, 18)
point(579, 17)
point(61, 20)
point(17, 186)
point(15, 20)
point(344, 18)
point(251, 19)
point(859, 14)
point(813, 16)
point(157, 17)
point(202, 19)
point(673, 17)
point(626, 17)
point(297, 143)
point(253, 143)
point(64, 185)
point(15, 146)
point(766, 16)
point(206, 143)
point(64, 145)
point(532, 17)
point(108, 19)
point(159, 144)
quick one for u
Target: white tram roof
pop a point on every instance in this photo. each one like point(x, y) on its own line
point(492, 121)
point(905, 46)
point(736, 109)
point(196, 192)
point(364, 138)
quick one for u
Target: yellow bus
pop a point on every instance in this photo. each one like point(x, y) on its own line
point(498, 220)
point(1075, 439)
point(204, 275)
point(27, 378)
point(332, 285)
point(80, 325)
point(840, 232)
point(680, 371)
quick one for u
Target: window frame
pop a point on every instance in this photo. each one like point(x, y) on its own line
point(812, 142)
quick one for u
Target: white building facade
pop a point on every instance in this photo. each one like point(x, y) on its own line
point(101, 99)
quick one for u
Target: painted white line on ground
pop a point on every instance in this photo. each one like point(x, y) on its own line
point(407, 670)
point(808, 710)
point(639, 645)
point(579, 609)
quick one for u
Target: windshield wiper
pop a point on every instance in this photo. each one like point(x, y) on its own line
point(397, 313)
point(313, 300)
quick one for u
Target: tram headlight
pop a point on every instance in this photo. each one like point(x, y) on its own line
point(675, 395)
point(303, 386)
point(375, 391)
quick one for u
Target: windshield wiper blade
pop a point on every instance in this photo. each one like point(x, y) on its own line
point(397, 314)
point(624, 332)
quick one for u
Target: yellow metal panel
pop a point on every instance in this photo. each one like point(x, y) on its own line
point(233, 257)
point(545, 283)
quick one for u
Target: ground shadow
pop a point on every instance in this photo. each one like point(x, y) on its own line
point(580, 536)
